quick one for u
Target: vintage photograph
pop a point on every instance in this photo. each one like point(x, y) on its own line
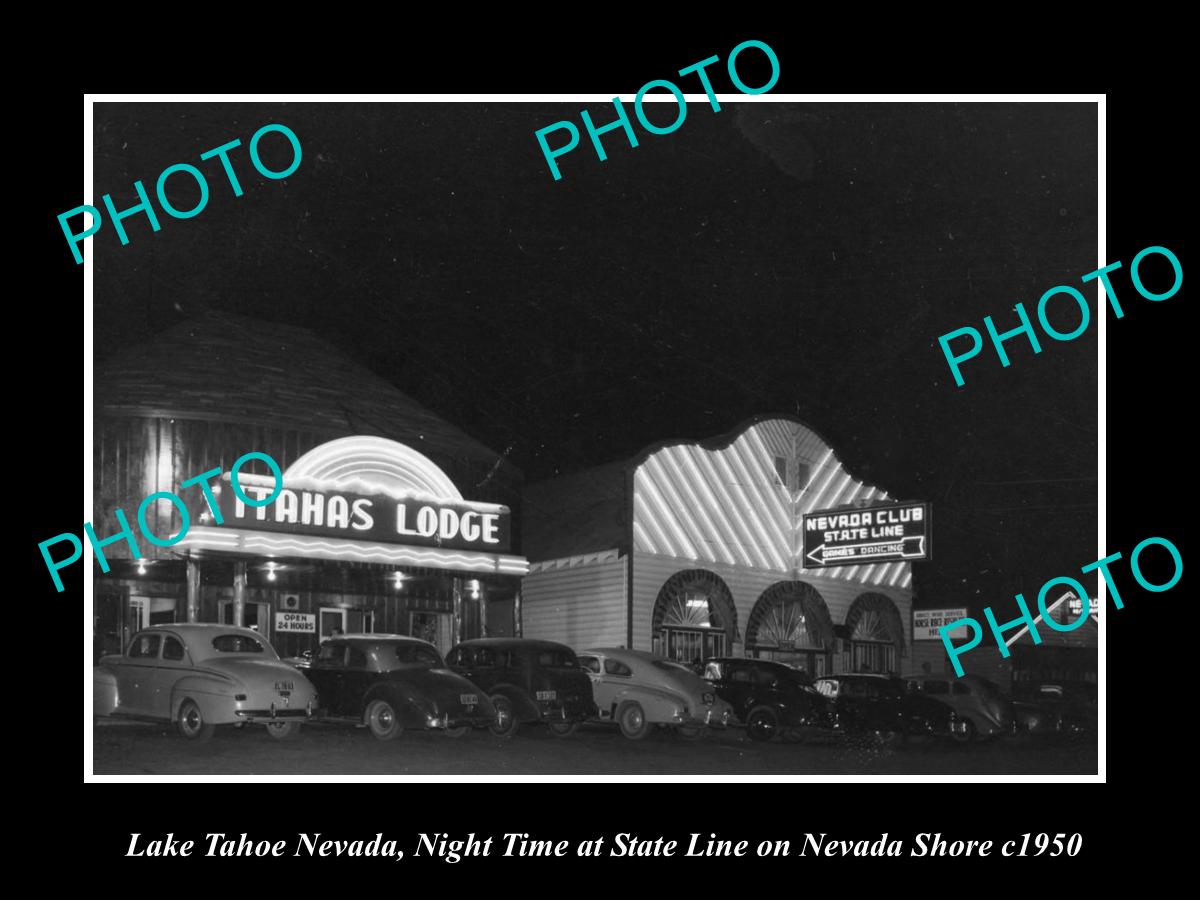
point(424, 445)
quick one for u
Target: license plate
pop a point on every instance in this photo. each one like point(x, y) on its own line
point(283, 686)
point(547, 695)
point(468, 699)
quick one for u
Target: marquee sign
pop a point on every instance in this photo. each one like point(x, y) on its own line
point(376, 517)
point(927, 624)
point(898, 532)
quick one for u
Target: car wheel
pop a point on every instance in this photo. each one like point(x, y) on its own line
point(691, 732)
point(762, 724)
point(968, 734)
point(506, 723)
point(632, 719)
point(381, 718)
point(563, 729)
point(456, 732)
point(191, 724)
point(284, 731)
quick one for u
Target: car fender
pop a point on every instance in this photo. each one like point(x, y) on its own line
point(658, 705)
point(104, 692)
point(411, 710)
point(524, 707)
point(212, 692)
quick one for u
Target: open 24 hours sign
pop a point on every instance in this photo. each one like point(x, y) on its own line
point(897, 532)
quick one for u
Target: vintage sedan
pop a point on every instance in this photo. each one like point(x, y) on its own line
point(880, 708)
point(201, 676)
point(980, 704)
point(770, 699)
point(390, 682)
point(527, 681)
point(640, 691)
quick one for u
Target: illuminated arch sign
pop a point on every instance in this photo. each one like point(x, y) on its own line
point(369, 489)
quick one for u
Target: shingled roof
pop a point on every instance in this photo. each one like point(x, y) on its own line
point(230, 368)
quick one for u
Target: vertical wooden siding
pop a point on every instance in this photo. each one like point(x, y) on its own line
point(583, 606)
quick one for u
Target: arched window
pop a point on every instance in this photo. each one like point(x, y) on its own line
point(876, 635)
point(694, 617)
point(790, 623)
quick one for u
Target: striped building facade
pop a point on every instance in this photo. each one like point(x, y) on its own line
point(693, 550)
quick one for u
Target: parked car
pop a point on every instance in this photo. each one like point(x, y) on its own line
point(201, 676)
point(769, 698)
point(979, 703)
point(527, 681)
point(640, 691)
point(880, 707)
point(390, 682)
point(1041, 708)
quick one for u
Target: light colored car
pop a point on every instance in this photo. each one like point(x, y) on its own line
point(638, 691)
point(201, 676)
point(979, 703)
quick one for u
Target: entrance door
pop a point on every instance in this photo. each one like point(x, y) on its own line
point(437, 628)
point(360, 621)
point(330, 621)
point(687, 645)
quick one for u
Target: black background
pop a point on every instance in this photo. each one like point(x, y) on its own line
point(1147, 431)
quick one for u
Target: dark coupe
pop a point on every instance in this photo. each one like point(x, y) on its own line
point(769, 698)
point(389, 682)
point(879, 706)
point(528, 681)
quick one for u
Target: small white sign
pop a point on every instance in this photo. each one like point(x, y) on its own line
point(927, 623)
point(290, 621)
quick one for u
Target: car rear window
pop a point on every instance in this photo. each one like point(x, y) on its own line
point(417, 657)
point(556, 659)
point(236, 643)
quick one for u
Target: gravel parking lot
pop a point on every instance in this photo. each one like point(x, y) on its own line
point(136, 749)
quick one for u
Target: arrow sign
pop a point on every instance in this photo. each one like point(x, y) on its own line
point(873, 551)
point(896, 532)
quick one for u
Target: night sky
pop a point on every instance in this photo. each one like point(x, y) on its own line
point(767, 258)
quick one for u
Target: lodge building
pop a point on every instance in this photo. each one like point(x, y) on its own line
point(693, 550)
point(388, 518)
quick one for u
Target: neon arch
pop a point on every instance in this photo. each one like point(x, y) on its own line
point(373, 462)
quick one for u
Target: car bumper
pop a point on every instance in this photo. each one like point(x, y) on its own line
point(273, 714)
point(712, 718)
point(459, 720)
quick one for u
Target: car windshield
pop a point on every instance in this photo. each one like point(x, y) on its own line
point(414, 656)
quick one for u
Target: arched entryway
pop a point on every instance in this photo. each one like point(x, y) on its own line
point(876, 635)
point(790, 623)
point(694, 617)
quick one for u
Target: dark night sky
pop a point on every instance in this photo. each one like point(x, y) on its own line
point(798, 258)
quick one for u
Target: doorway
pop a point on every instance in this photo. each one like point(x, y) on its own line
point(257, 617)
point(339, 620)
